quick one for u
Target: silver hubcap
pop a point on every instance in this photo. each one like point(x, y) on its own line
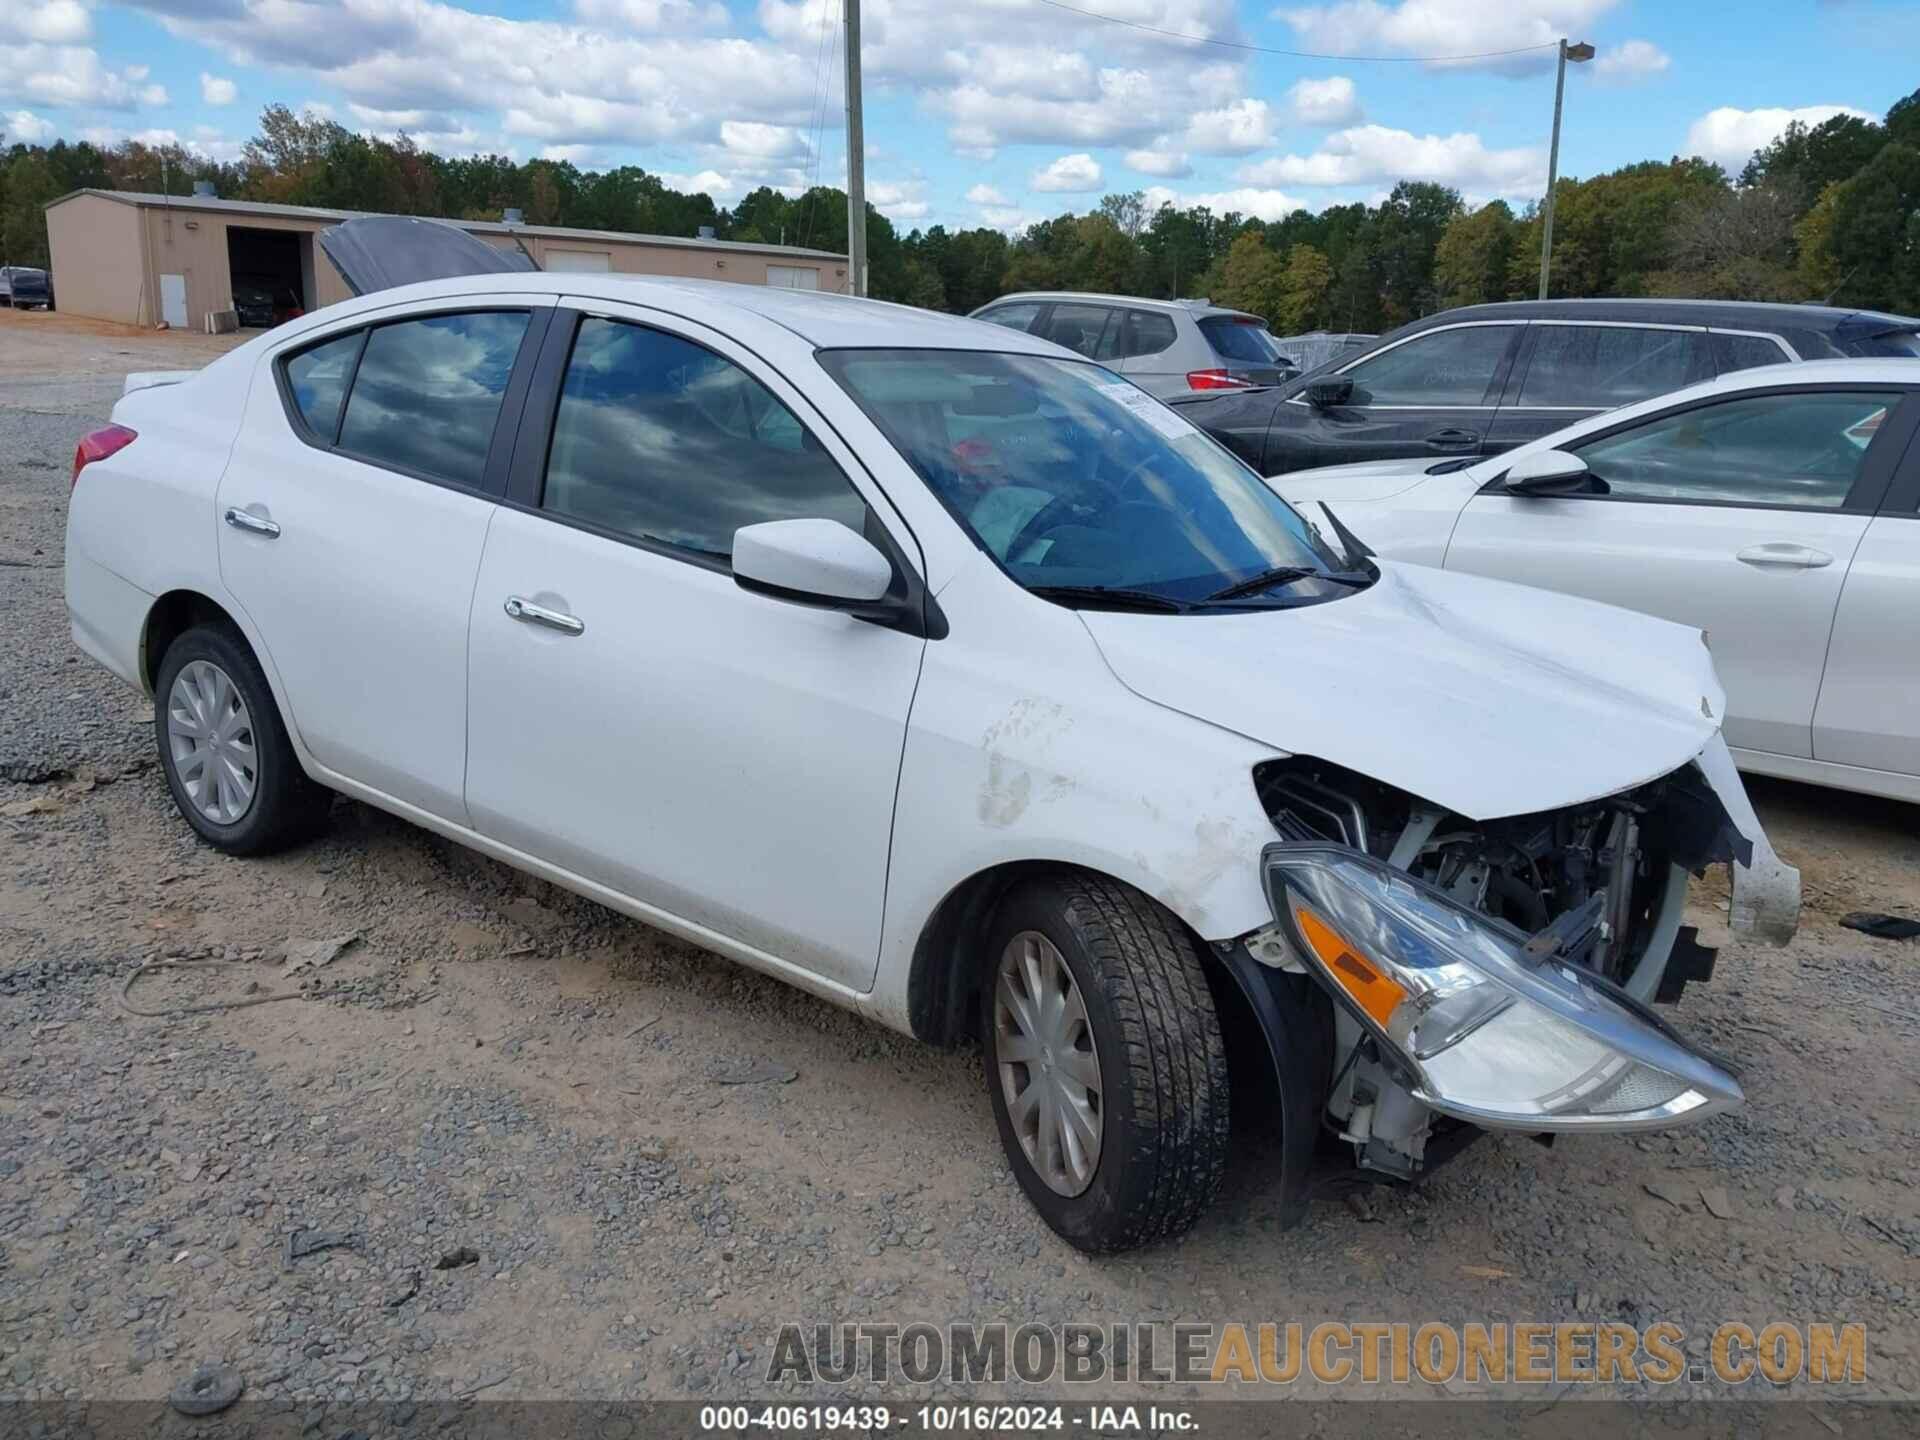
point(1049, 1069)
point(210, 737)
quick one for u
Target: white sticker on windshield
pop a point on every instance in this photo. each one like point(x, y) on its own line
point(1160, 417)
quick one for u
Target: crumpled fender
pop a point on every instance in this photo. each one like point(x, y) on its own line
point(1766, 890)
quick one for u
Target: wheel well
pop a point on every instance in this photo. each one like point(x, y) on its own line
point(943, 987)
point(172, 615)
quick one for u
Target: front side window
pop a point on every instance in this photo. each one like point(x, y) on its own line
point(662, 440)
point(1764, 450)
point(1070, 477)
point(318, 381)
point(1443, 367)
point(1088, 329)
point(1596, 367)
point(428, 392)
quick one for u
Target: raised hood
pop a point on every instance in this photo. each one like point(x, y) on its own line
point(1487, 698)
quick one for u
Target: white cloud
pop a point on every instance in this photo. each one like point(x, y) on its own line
point(651, 16)
point(1374, 154)
point(53, 22)
point(217, 89)
point(73, 75)
point(27, 128)
point(984, 194)
point(1447, 27)
point(722, 188)
point(1070, 174)
point(1236, 129)
point(1730, 136)
point(899, 199)
point(567, 154)
point(1631, 61)
point(762, 141)
point(1331, 101)
point(1261, 204)
point(1166, 164)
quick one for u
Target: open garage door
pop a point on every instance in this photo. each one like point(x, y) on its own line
point(270, 270)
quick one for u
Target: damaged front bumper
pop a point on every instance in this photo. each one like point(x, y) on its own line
point(1443, 1008)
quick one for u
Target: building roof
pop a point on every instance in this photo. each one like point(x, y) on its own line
point(217, 205)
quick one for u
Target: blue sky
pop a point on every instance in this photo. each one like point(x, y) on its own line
point(985, 112)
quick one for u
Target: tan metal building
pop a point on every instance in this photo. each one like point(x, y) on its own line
point(143, 259)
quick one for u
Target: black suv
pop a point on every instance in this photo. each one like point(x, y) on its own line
point(1484, 378)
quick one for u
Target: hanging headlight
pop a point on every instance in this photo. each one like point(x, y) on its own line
point(1489, 1033)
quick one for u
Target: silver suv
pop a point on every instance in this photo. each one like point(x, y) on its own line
point(1166, 347)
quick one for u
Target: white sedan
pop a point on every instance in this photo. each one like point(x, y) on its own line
point(946, 675)
point(1778, 509)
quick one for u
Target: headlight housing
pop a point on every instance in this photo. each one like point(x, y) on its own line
point(1489, 1034)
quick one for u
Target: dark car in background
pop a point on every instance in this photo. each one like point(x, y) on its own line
point(1485, 378)
point(26, 287)
point(1166, 347)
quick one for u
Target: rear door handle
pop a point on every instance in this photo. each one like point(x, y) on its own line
point(1453, 439)
point(532, 614)
point(1779, 555)
point(253, 524)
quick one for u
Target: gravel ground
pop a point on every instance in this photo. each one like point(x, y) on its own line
point(500, 1068)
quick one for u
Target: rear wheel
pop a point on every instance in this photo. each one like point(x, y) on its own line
point(1104, 1061)
point(223, 747)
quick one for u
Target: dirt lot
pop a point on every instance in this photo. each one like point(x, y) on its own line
point(500, 1066)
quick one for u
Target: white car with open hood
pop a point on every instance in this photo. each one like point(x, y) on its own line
point(1778, 509)
point(944, 674)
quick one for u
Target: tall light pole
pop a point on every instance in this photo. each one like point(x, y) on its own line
point(1578, 54)
point(856, 162)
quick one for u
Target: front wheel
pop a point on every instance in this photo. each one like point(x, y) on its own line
point(1104, 1061)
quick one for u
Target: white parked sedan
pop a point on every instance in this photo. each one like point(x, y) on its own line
point(948, 676)
point(1778, 509)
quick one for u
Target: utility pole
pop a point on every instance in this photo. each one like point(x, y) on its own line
point(1578, 54)
point(856, 162)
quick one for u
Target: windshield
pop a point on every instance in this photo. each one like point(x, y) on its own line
point(1900, 344)
point(1070, 476)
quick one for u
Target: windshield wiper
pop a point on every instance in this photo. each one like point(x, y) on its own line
point(1109, 597)
point(1287, 575)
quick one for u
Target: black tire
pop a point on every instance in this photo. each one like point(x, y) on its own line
point(287, 806)
point(1163, 1062)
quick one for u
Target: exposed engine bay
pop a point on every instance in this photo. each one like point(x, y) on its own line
point(1531, 942)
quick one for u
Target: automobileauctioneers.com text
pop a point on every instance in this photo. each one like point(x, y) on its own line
point(1333, 1353)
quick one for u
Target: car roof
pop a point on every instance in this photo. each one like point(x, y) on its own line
point(822, 318)
point(1199, 309)
point(1865, 370)
point(1725, 314)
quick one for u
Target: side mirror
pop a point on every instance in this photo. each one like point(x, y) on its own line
point(810, 562)
point(1326, 394)
point(1552, 472)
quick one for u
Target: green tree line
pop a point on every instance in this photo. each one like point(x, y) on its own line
point(1829, 212)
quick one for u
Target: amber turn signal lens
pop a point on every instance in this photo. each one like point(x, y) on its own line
point(1370, 989)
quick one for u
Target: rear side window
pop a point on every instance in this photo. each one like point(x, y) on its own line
point(1090, 329)
point(1747, 352)
point(1244, 340)
point(1596, 367)
point(318, 379)
point(1442, 367)
point(1146, 333)
point(1763, 450)
point(659, 439)
point(1014, 317)
point(428, 392)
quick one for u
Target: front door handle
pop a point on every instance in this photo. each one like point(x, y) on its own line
point(1779, 555)
point(534, 614)
point(253, 524)
point(1453, 439)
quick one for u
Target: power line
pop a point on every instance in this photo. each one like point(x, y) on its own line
point(1297, 54)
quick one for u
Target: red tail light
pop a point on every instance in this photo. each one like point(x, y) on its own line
point(103, 442)
point(1216, 380)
